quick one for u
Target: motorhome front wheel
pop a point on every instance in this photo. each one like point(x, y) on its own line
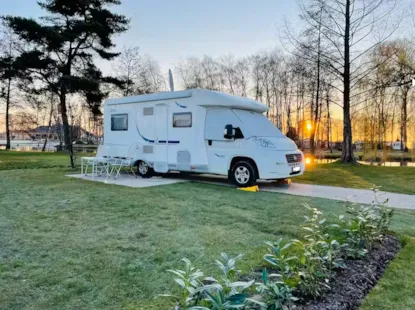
point(243, 174)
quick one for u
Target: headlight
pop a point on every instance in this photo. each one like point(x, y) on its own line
point(264, 143)
point(296, 169)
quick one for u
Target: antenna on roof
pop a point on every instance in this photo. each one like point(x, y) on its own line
point(171, 83)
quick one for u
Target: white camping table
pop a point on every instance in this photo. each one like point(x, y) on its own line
point(94, 161)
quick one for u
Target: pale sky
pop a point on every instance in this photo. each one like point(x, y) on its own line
point(170, 31)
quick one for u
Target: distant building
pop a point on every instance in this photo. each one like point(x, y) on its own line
point(398, 145)
point(55, 132)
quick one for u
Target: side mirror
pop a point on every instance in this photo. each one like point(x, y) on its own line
point(228, 134)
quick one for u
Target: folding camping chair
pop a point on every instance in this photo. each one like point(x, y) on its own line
point(124, 162)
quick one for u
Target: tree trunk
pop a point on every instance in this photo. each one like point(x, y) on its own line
point(9, 85)
point(49, 124)
point(347, 152)
point(66, 128)
point(314, 123)
point(328, 121)
point(404, 126)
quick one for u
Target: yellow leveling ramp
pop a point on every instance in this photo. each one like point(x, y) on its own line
point(250, 189)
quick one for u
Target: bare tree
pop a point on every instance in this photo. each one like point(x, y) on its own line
point(140, 74)
point(191, 73)
point(9, 74)
point(127, 68)
point(350, 29)
point(150, 79)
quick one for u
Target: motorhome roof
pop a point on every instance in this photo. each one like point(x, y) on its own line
point(210, 98)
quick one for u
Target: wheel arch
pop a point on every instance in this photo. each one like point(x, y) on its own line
point(136, 161)
point(149, 163)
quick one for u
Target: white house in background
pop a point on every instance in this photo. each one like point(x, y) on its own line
point(200, 131)
point(398, 145)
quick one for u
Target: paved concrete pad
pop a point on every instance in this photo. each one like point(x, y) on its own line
point(130, 181)
point(364, 196)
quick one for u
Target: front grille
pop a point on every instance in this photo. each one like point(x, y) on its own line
point(294, 158)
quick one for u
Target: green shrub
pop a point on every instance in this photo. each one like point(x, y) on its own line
point(283, 259)
point(277, 295)
point(366, 225)
point(227, 266)
point(321, 238)
point(189, 281)
point(320, 254)
point(303, 267)
point(221, 297)
point(209, 293)
point(227, 292)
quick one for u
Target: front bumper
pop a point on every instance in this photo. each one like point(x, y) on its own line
point(277, 167)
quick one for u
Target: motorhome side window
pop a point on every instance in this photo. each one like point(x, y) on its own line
point(181, 120)
point(119, 122)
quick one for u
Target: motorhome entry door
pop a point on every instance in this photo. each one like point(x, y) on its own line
point(161, 139)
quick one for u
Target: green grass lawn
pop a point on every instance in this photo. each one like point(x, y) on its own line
point(391, 179)
point(72, 244)
point(32, 160)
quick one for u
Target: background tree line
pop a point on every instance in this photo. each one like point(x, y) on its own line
point(342, 73)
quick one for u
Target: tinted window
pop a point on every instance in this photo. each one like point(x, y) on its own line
point(119, 122)
point(216, 120)
point(182, 120)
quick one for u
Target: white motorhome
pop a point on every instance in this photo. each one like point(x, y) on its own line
point(200, 131)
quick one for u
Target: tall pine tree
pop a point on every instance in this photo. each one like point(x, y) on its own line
point(61, 48)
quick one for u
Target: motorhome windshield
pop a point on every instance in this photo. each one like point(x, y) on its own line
point(257, 125)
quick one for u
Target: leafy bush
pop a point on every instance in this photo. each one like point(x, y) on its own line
point(276, 294)
point(321, 238)
point(209, 293)
point(308, 263)
point(227, 266)
point(283, 260)
point(233, 295)
point(302, 267)
point(366, 225)
point(189, 281)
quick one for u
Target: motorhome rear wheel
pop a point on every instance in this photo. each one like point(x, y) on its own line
point(144, 170)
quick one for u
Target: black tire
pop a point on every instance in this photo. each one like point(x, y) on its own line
point(143, 170)
point(243, 174)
